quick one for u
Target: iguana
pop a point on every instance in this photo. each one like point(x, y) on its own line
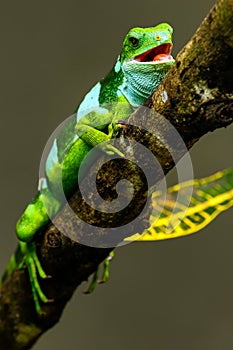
point(144, 61)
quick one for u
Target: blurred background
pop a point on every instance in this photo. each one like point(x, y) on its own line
point(174, 294)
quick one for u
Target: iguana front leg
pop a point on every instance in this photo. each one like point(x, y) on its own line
point(95, 137)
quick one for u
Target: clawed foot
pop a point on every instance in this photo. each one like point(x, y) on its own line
point(110, 149)
point(106, 271)
point(34, 269)
point(105, 274)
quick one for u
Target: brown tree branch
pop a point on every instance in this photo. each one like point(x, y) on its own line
point(196, 97)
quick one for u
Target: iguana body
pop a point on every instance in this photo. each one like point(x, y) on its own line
point(144, 61)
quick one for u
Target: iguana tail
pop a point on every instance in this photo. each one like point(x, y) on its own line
point(15, 258)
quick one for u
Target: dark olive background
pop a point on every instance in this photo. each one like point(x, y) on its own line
point(167, 295)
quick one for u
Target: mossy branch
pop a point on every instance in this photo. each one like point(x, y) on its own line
point(196, 97)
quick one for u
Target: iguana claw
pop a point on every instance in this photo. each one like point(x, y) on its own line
point(35, 269)
point(105, 274)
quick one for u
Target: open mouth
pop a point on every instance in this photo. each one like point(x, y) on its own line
point(158, 54)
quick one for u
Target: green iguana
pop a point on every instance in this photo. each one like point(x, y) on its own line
point(144, 61)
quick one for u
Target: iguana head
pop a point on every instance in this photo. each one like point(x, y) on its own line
point(148, 45)
point(145, 60)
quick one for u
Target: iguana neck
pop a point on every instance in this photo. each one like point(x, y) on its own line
point(132, 81)
point(140, 82)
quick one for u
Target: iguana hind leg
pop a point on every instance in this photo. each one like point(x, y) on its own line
point(105, 274)
point(35, 270)
point(106, 270)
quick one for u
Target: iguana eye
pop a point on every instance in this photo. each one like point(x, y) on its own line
point(133, 40)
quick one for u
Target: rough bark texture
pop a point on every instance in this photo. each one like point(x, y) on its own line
point(196, 97)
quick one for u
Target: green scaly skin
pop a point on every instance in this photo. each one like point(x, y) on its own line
point(143, 63)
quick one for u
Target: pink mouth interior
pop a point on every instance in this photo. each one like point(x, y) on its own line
point(157, 54)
